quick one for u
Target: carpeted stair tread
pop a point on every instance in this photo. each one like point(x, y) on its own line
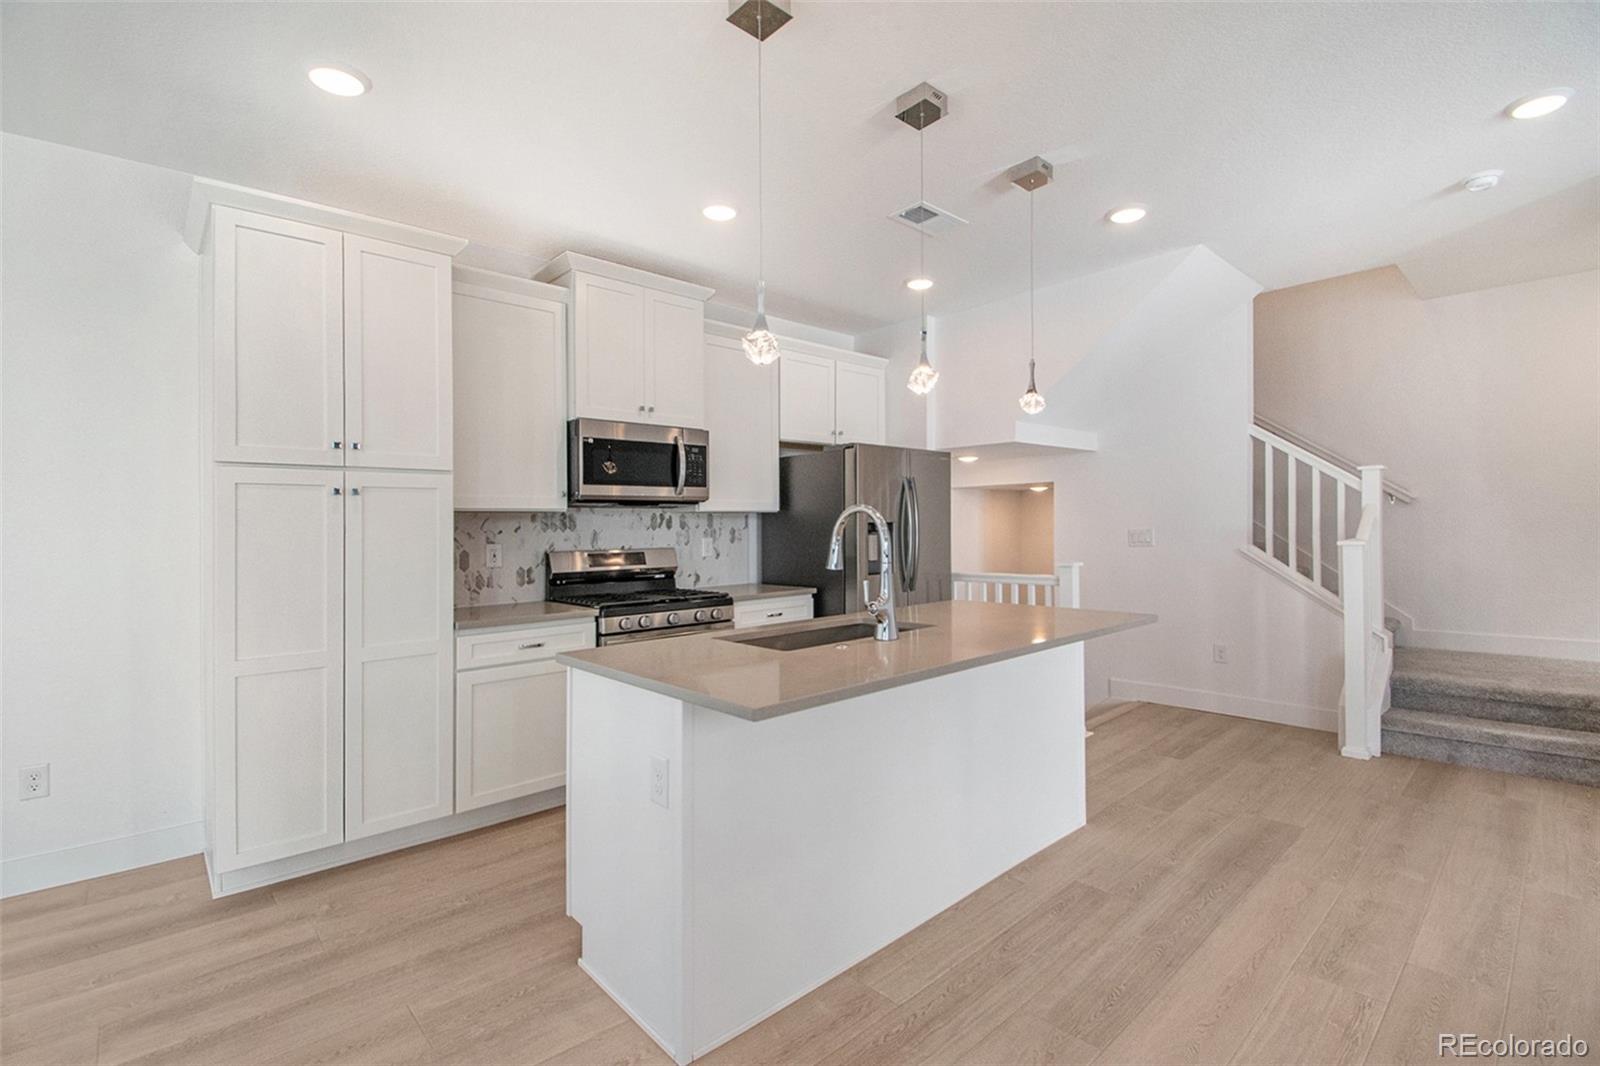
point(1571, 743)
point(1524, 679)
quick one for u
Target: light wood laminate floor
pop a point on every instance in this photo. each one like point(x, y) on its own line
point(1241, 894)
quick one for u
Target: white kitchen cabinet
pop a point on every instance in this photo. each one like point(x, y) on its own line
point(277, 709)
point(511, 719)
point(510, 347)
point(742, 417)
point(831, 398)
point(808, 398)
point(637, 343)
point(859, 403)
point(772, 611)
point(397, 381)
point(399, 673)
point(324, 348)
point(277, 340)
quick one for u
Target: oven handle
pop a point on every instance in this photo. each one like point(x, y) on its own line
point(683, 466)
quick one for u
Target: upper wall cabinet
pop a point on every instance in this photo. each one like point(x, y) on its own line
point(831, 397)
point(327, 338)
point(637, 343)
point(510, 393)
point(742, 418)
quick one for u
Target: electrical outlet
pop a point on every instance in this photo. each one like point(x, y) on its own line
point(1219, 653)
point(492, 554)
point(705, 545)
point(658, 780)
point(36, 781)
point(1141, 538)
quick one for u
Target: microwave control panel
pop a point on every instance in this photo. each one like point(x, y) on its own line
point(695, 465)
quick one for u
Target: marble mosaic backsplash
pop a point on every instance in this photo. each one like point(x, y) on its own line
point(524, 539)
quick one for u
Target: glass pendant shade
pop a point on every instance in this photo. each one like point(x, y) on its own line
point(1031, 401)
point(760, 346)
point(923, 377)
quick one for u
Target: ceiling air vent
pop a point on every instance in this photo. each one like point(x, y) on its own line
point(926, 218)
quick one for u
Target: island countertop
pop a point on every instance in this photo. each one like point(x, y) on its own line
point(757, 683)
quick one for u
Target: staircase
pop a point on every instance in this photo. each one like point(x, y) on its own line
point(1513, 713)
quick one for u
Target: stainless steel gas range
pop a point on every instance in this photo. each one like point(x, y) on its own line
point(636, 594)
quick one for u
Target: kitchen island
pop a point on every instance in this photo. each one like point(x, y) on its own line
point(750, 814)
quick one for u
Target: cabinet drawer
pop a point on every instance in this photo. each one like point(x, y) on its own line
point(771, 612)
point(503, 647)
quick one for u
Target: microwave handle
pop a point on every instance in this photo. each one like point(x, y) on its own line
point(683, 466)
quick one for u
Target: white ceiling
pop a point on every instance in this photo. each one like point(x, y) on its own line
point(1298, 141)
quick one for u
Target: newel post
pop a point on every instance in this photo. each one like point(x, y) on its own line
point(1069, 592)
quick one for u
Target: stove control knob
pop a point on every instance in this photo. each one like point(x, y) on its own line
point(624, 623)
point(646, 621)
point(672, 619)
point(716, 613)
point(700, 616)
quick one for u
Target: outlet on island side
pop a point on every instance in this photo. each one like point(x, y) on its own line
point(36, 781)
point(1219, 653)
point(658, 780)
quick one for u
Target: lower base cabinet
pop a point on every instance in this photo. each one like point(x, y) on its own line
point(511, 719)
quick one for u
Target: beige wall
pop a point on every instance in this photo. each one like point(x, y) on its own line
point(1005, 531)
point(1487, 406)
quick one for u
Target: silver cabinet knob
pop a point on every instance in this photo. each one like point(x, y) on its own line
point(337, 445)
point(337, 491)
point(355, 492)
point(355, 446)
point(652, 408)
point(641, 408)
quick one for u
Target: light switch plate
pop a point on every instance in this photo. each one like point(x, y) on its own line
point(659, 769)
point(1141, 538)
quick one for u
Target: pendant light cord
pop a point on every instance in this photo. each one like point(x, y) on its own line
point(922, 238)
point(1030, 290)
point(761, 207)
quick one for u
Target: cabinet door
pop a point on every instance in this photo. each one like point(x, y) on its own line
point(742, 418)
point(807, 400)
point(510, 356)
point(398, 623)
point(608, 360)
point(675, 347)
point(277, 729)
point(277, 375)
point(859, 404)
point(396, 356)
point(511, 732)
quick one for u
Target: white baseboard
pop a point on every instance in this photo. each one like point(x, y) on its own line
point(268, 873)
point(1499, 644)
point(1296, 714)
point(30, 873)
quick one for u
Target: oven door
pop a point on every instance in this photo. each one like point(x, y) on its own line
point(627, 462)
point(658, 634)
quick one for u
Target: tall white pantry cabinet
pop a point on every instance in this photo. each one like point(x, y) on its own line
point(326, 427)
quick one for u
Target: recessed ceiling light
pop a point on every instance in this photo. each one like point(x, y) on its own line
point(1483, 180)
point(340, 81)
point(919, 284)
point(966, 458)
point(1127, 216)
point(1546, 103)
point(1038, 488)
point(720, 213)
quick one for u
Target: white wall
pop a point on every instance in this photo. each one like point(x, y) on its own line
point(1168, 388)
point(906, 422)
point(1487, 406)
point(99, 477)
point(1004, 531)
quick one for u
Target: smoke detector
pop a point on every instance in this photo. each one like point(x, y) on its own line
point(1031, 174)
point(769, 15)
point(926, 218)
point(921, 107)
point(1483, 180)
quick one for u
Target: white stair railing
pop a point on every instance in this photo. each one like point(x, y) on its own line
point(1294, 526)
point(1368, 645)
point(1060, 589)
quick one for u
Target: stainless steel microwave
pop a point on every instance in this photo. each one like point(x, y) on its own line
point(628, 462)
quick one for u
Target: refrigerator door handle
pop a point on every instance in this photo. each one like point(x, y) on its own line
point(909, 533)
point(916, 532)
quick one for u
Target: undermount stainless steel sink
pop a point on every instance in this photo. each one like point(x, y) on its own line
point(816, 638)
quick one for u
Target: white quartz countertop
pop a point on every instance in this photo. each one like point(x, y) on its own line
point(491, 615)
point(758, 683)
point(745, 593)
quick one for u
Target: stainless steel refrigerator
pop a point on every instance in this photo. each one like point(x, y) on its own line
point(912, 490)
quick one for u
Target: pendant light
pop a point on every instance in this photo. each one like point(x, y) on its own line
point(920, 108)
point(761, 19)
point(1034, 174)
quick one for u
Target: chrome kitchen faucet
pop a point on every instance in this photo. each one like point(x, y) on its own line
point(882, 607)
